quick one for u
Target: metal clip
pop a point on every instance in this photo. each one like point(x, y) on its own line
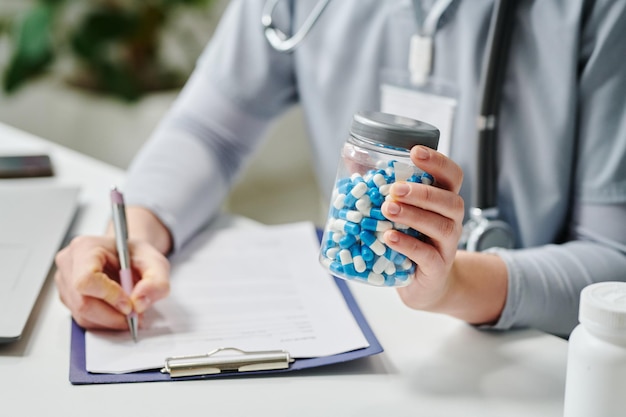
point(215, 363)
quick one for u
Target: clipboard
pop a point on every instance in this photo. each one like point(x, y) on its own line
point(78, 374)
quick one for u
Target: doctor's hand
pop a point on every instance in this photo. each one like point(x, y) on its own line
point(87, 276)
point(470, 286)
point(437, 212)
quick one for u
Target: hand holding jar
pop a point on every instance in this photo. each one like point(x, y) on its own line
point(384, 207)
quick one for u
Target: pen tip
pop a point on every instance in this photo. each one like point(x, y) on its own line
point(132, 326)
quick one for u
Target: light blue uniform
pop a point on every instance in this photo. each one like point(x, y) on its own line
point(562, 141)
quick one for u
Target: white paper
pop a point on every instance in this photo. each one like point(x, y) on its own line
point(259, 288)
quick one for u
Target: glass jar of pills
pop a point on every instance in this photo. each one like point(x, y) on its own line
point(374, 156)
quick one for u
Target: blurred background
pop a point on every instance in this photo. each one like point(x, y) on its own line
point(97, 76)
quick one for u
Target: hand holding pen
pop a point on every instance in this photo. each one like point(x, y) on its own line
point(121, 241)
point(86, 267)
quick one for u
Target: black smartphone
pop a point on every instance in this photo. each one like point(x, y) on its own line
point(24, 166)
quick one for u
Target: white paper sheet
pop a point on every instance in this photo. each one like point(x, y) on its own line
point(258, 288)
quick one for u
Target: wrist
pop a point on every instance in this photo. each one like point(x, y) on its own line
point(476, 288)
point(144, 225)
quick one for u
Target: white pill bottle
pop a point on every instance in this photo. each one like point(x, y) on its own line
point(596, 363)
point(374, 155)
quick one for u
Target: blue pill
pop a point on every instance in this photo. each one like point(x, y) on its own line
point(390, 280)
point(415, 178)
point(357, 259)
point(349, 271)
point(427, 178)
point(356, 178)
point(345, 188)
point(346, 226)
point(347, 241)
point(375, 225)
point(377, 213)
point(367, 253)
point(402, 275)
point(376, 197)
point(343, 181)
point(372, 241)
point(397, 258)
point(353, 216)
point(336, 267)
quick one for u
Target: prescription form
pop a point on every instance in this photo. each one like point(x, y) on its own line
point(254, 288)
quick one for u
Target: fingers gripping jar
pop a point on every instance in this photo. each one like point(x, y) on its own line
point(374, 156)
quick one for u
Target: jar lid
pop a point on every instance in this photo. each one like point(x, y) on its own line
point(392, 130)
point(603, 305)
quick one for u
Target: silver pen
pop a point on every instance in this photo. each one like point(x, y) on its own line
point(121, 241)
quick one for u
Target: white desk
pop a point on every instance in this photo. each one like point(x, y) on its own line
point(432, 365)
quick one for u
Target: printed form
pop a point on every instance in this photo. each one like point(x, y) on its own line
point(252, 288)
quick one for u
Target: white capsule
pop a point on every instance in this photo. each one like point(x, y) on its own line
point(406, 264)
point(338, 203)
point(384, 189)
point(390, 269)
point(345, 257)
point(378, 247)
point(359, 264)
point(364, 203)
point(400, 226)
point(379, 179)
point(353, 216)
point(337, 235)
point(332, 252)
point(375, 279)
point(380, 265)
point(358, 190)
point(383, 226)
point(336, 225)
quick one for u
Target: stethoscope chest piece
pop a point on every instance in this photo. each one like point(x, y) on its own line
point(482, 231)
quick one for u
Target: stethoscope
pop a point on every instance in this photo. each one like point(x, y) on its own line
point(483, 230)
point(277, 38)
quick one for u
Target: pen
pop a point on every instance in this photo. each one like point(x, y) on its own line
point(121, 241)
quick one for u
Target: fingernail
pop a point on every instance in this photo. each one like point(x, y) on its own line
point(399, 189)
point(393, 208)
point(422, 153)
point(141, 304)
point(124, 307)
point(392, 237)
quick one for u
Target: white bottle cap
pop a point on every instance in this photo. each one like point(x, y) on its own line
point(603, 307)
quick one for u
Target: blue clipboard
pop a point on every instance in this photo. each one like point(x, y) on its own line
point(80, 376)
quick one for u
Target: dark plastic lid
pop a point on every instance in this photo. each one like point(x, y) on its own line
point(392, 130)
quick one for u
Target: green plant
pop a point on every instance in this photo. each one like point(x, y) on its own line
point(115, 45)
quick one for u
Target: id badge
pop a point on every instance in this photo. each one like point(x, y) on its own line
point(432, 102)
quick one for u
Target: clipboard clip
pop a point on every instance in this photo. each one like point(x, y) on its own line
point(226, 359)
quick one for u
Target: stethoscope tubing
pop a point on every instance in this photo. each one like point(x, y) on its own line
point(277, 39)
point(498, 47)
point(491, 82)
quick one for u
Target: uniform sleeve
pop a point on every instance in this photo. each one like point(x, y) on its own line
point(187, 166)
point(545, 282)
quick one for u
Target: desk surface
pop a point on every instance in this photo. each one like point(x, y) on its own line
point(432, 365)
